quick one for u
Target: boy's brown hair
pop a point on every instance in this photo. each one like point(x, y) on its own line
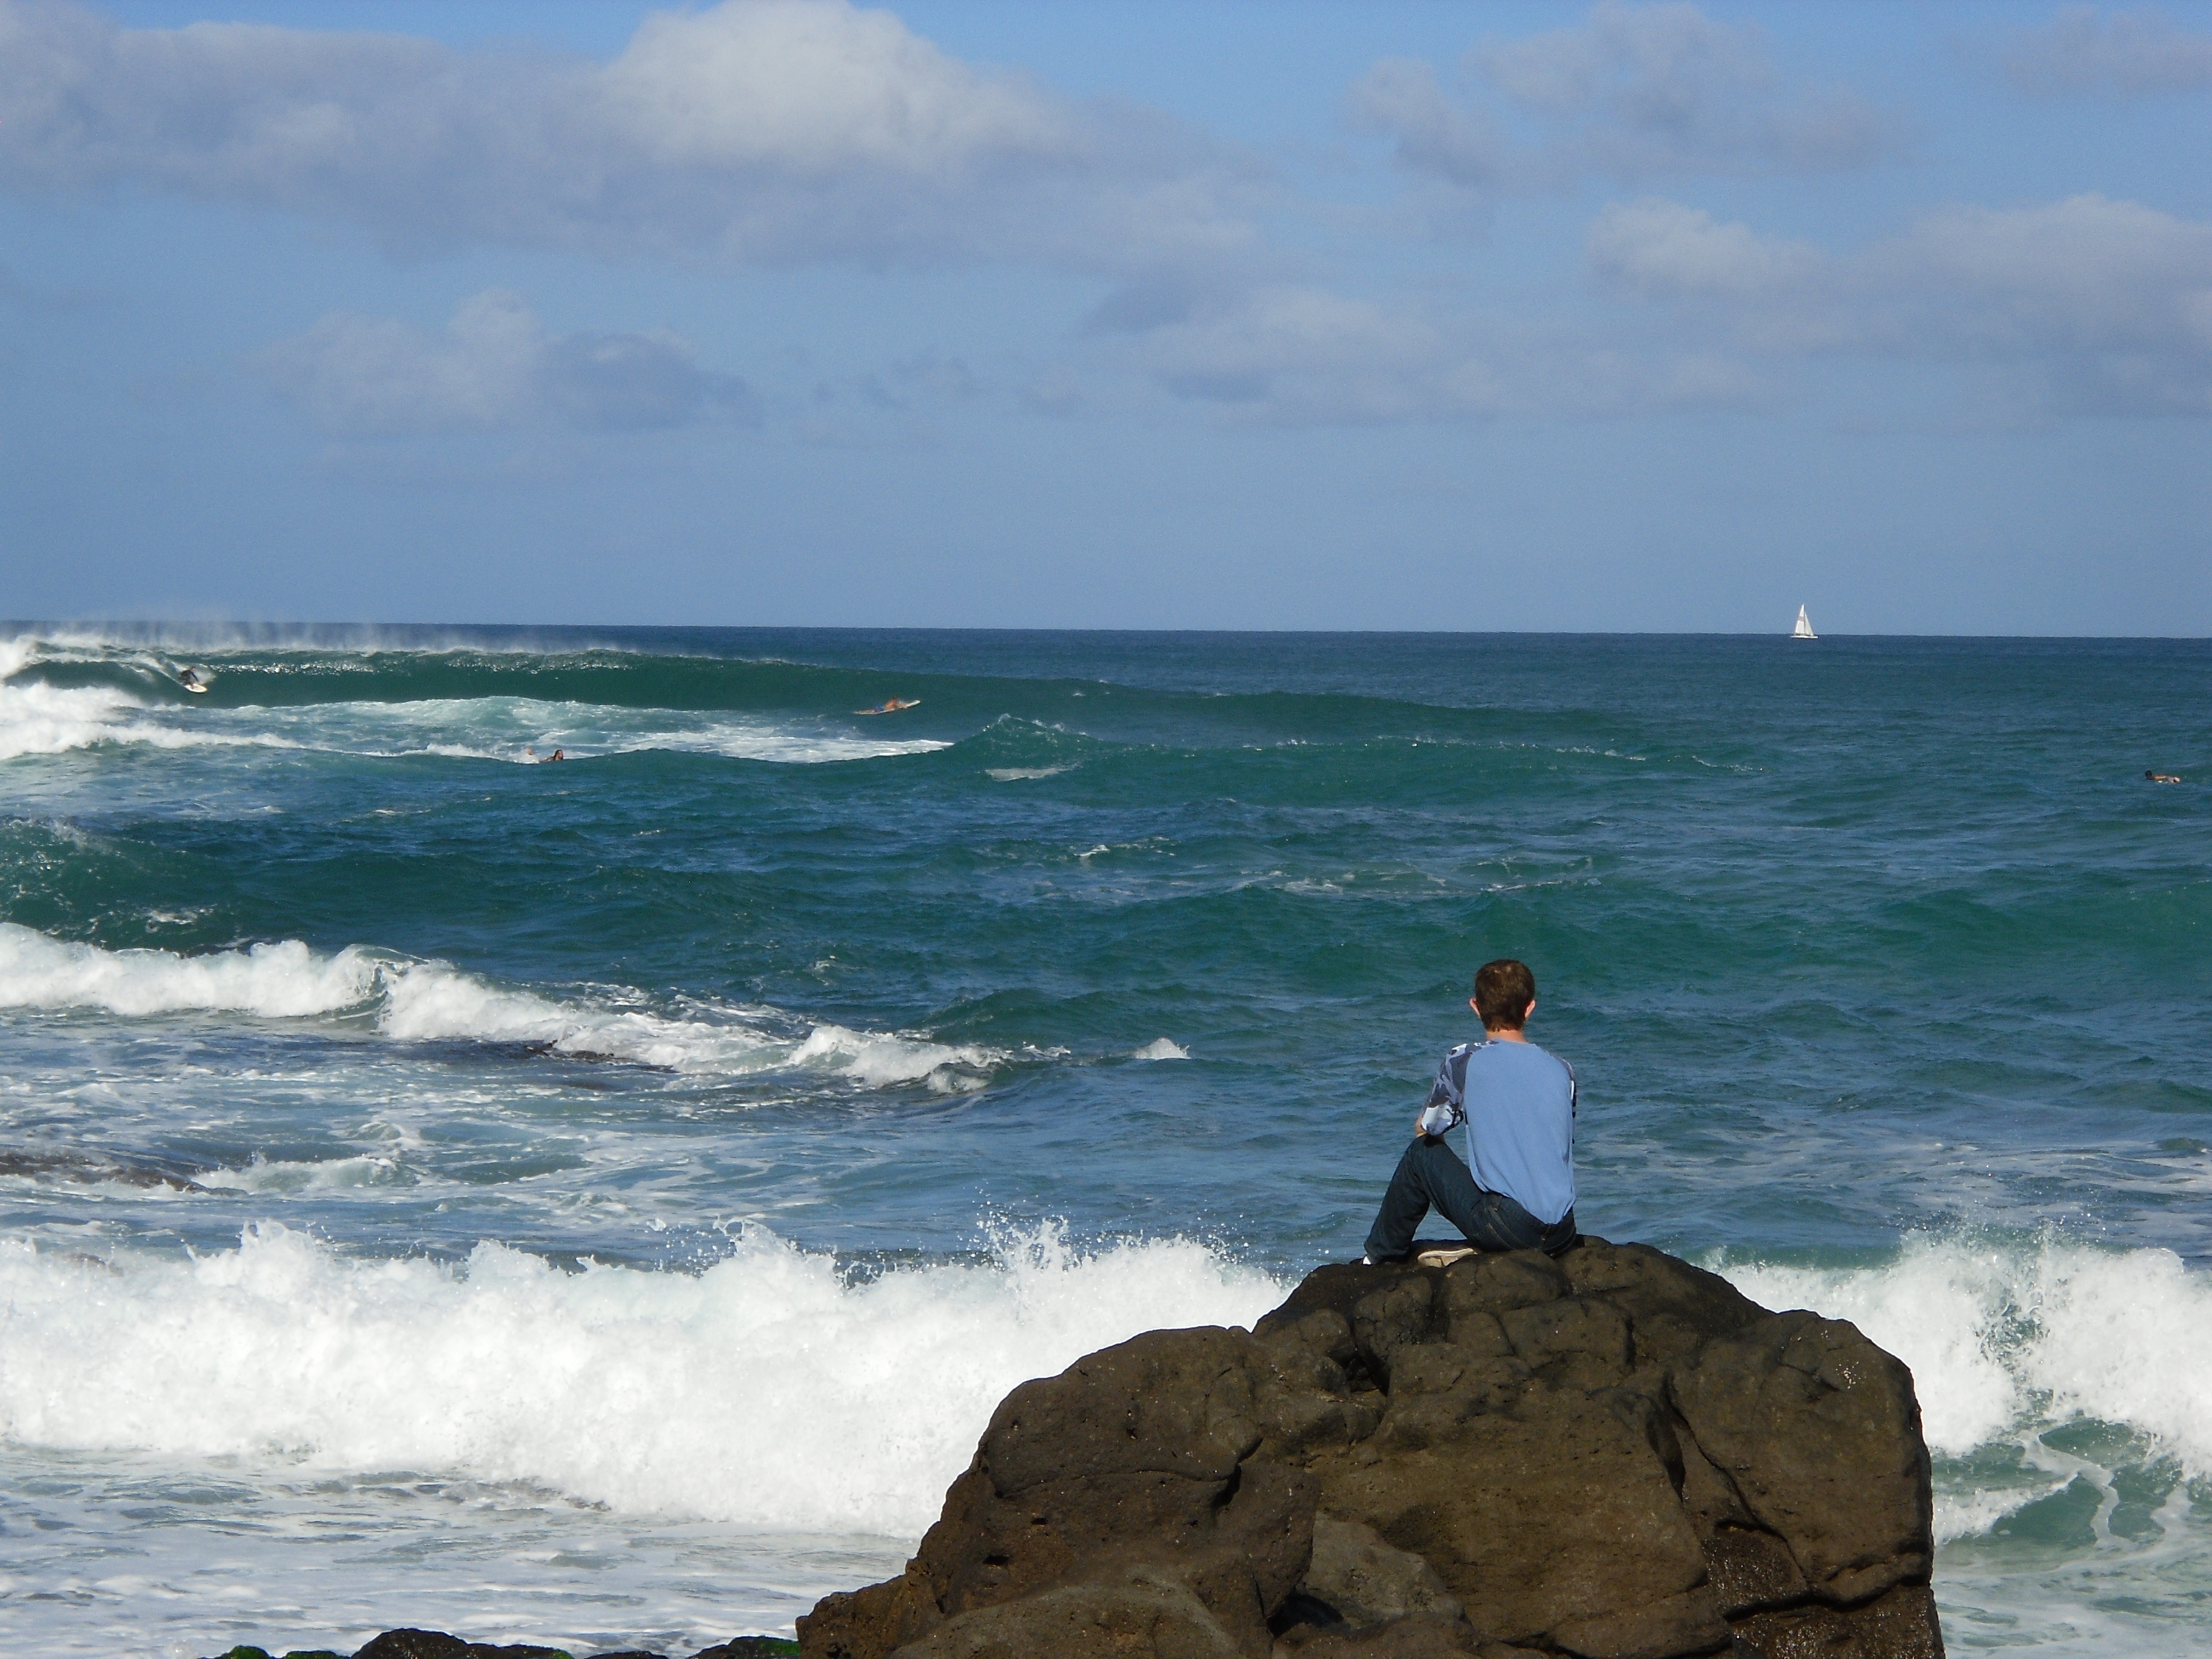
point(1503, 991)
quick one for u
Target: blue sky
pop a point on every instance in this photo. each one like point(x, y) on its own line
point(1572, 317)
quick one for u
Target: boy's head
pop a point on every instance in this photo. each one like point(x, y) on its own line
point(1504, 990)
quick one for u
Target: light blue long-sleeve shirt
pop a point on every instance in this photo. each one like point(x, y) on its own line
point(1518, 1103)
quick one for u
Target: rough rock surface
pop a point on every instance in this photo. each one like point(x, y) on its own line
point(1613, 1455)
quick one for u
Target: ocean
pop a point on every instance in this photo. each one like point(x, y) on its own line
point(601, 1202)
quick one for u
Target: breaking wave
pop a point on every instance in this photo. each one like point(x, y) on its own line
point(2008, 1345)
point(434, 1001)
point(140, 700)
point(767, 1391)
point(734, 1393)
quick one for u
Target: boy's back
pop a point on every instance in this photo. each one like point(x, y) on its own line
point(1519, 1105)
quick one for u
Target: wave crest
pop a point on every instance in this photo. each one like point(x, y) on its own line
point(767, 1391)
point(2007, 1344)
point(434, 1001)
point(282, 979)
point(137, 698)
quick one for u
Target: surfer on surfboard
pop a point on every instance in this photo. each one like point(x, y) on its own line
point(891, 706)
point(190, 678)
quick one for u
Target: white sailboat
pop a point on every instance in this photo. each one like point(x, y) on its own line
point(1804, 629)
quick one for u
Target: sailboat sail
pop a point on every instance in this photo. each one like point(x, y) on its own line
point(1804, 629)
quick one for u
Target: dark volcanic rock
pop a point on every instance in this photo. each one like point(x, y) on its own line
point(1613, 1455)
point(436, 1644)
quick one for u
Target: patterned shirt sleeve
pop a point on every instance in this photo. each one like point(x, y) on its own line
point(1449, 1090)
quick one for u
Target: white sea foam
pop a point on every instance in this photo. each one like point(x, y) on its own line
point(434, 1001)
point(734, 1393)
point(431, 1000)
point(328, 1175)
point(765, 740)
point(37, 718)
point(765, 1391)
point(1161, 1049)
point(42, 719)
point(279, 980)
point(519, 729)
point(878, 1059)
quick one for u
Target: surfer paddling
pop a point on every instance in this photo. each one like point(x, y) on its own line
point(1516, 1189)
point(891, 706)
point(2163, 777)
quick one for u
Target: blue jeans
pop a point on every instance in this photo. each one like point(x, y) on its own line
point(1431, 1176)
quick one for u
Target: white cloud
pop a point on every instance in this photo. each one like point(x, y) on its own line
point(1659, 247)
point(1402, 98)
point(752, 131)
point(1289, 352)
point(494, 366)
point(1303, 355)
point(1634, 93)
point(818, 90)
point(2082, 306)
point(2086, 52)
point(2106, 305)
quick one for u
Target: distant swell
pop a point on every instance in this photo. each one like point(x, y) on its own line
point(142, 702)
point(765, 1391)
point(429, 1001)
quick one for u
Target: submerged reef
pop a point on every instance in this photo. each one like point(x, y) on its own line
point(1613, 1456)
point(437, 1645)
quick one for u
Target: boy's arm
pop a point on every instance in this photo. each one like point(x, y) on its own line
point(1444, 1109)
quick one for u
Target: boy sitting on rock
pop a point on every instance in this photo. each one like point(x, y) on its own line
point(1516, 1189)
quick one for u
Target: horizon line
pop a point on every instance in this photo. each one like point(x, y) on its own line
point(18, 626)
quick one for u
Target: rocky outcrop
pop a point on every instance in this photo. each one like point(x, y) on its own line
point(1613, 1455)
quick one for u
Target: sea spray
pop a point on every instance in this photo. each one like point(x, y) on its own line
point(841, 1403)
point(768, 1391)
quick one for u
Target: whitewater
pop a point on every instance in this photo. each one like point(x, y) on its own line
point(413, 1001)
point(602, 1203)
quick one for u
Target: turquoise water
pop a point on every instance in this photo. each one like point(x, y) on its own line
point(627, 1184)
